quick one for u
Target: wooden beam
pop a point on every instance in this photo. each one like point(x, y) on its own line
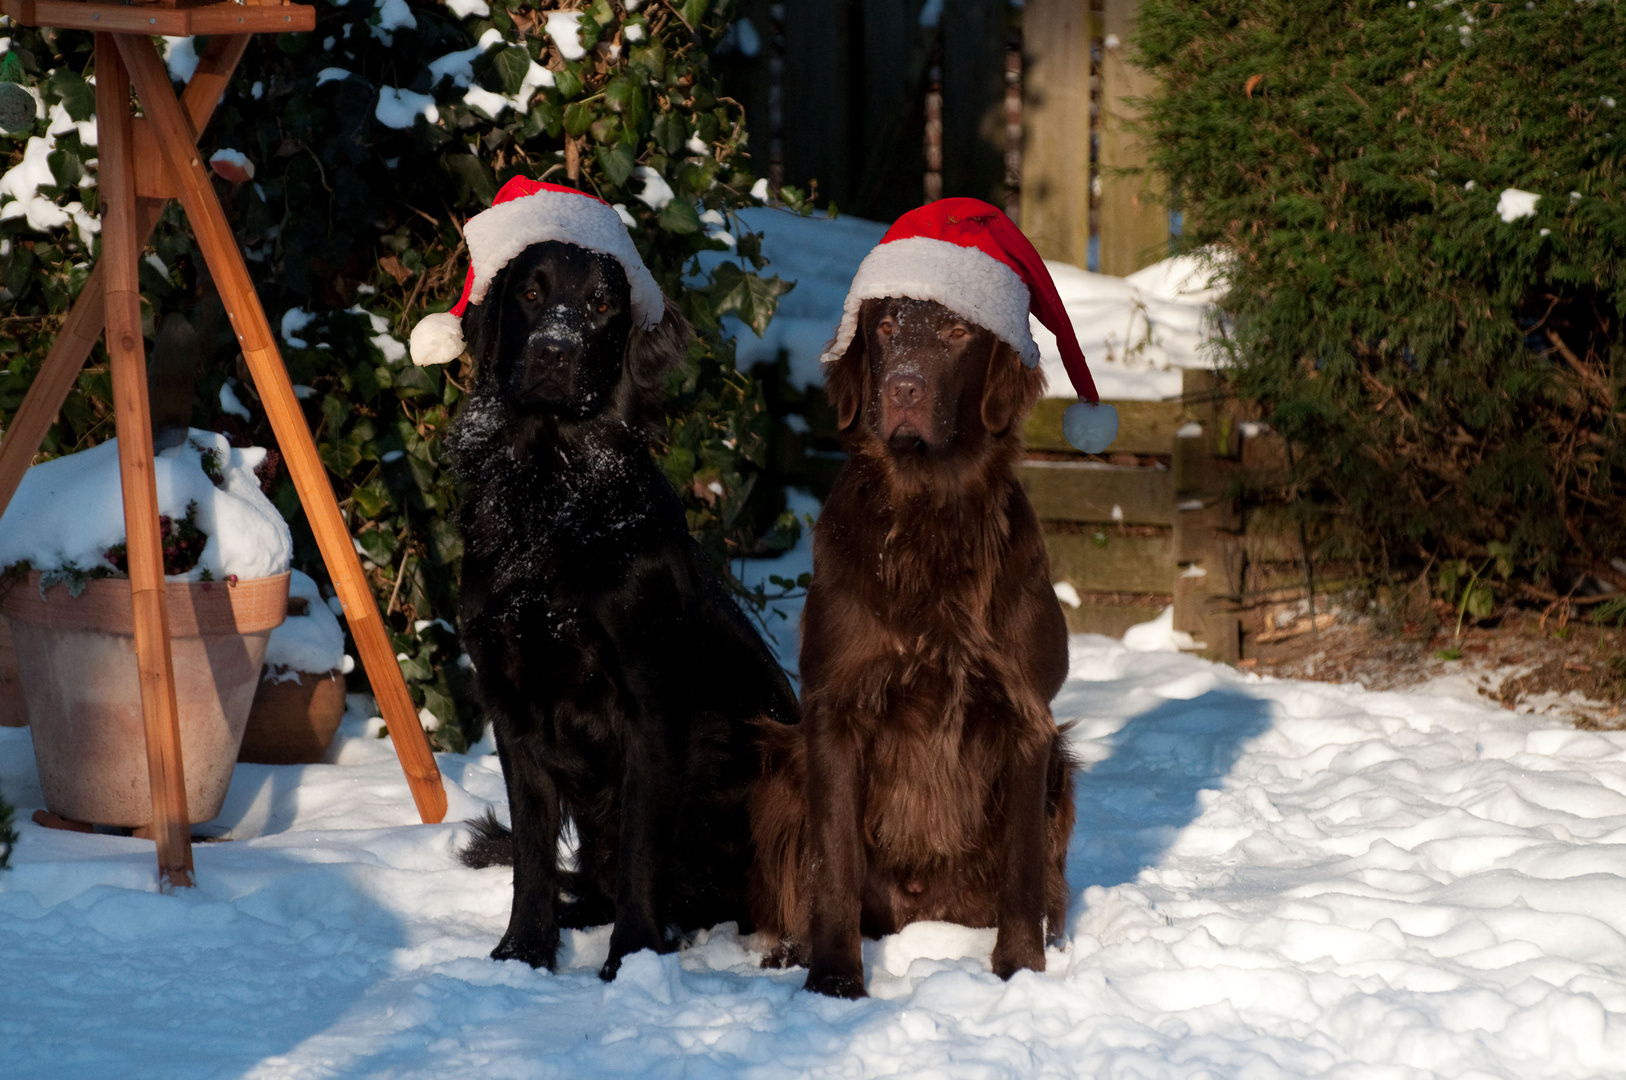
point(1114, 563)
point(213, 232)
point(83, 326)
point(220, 18)
point(1134, 207)
point(121, 252)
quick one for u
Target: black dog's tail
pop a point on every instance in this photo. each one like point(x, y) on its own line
point(493, 844)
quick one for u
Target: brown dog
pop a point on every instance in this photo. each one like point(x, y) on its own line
point(927, 779)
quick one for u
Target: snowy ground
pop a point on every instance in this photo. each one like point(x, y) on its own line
point(1271, 879)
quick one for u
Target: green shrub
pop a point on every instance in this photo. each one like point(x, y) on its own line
point(1451, 382)
point(351, 229)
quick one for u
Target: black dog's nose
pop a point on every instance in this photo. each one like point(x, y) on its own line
point(905, 391)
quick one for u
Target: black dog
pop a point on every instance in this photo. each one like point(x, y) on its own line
point(623, 682)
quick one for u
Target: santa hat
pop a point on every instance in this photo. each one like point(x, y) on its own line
point(968, 256)
point(527, 212)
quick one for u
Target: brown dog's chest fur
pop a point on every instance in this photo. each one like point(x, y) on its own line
point(928, 779)
point(910, 580)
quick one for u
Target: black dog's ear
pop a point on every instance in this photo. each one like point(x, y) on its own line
point(652, 353)
point(846, 380)
point(482, 329)
point(1011, 389)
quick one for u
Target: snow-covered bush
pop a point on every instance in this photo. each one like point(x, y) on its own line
point(347, 159)
point(67, 518)
point(1426, 212)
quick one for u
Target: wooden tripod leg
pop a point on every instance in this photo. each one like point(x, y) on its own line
point(120, 251)
point(84, 322)
point(214, 236)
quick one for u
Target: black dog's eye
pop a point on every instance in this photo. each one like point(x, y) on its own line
point(530, 294)
point(602, 308)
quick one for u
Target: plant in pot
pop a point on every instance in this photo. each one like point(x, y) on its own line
point(65, 595)
point(300, 700)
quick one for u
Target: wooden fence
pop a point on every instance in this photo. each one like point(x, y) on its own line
point(1162, 521)
point(1026, 107)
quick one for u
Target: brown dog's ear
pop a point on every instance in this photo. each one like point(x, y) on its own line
point(1011, 391)
point(846, 381)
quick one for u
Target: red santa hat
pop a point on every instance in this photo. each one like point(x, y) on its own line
point(968, 256)
point(527, 212)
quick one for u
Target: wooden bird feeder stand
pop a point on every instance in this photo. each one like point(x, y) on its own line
point(145, 162)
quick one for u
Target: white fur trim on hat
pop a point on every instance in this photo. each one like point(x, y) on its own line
point(497, 235)
point(970, 283)
point(437, 339)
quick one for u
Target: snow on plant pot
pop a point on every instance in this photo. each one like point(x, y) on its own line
point(226, 553)
point(301, 696)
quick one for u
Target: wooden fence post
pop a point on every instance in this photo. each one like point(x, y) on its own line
point(1135, 206)
point(1056, 128)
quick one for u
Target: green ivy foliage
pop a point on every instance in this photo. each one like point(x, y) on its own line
point(372, 139)
point(1452, 382)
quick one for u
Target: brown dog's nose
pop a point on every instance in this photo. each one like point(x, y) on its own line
point(905, 391)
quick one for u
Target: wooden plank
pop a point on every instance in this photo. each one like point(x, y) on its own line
point(214, 237)
point(1091, 490)
point(83, 326)
point(1134, 207)
point(1109, 619)
point(1144, 427)
point(1115, 563)
point(1056, 130)
point(121, 252)
point(221, 18)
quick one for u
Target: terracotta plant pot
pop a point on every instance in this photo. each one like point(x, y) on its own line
point(77, 659)
point(293, 721)
point(13, 706)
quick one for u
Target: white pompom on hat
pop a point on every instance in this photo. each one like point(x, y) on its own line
point(527, 212)
point(968, 256)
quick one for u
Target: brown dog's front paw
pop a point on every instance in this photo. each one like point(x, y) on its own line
point(787, 953)
point(841, 984)
point(1008, 961)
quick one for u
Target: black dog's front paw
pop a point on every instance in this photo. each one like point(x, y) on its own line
point(841, 984)
point(538, 954)
point(624, 944)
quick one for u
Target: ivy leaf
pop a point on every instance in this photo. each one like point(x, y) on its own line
point(473, 179)
point(578, 118)
point(510, 66)
point(669, 133)
point(749, 296)
point(372, 498)
point(568, 82)
point(412, 381)
point(1480, 601)
point(78, 96)
point(617, 162)
point(679, 218)
point(694, 10)
point(66, 168)
point(619, 91)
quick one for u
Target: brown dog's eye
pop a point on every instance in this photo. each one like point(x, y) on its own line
point(957, 334)
point(530, 294)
